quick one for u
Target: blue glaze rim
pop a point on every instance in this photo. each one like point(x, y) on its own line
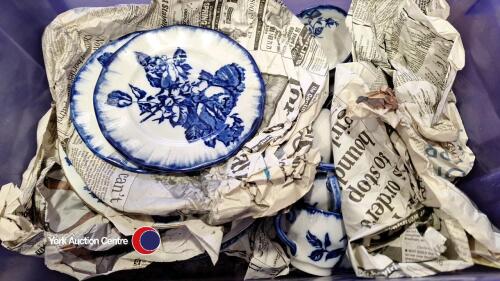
point(73, 115)
point(174, 168)
point(337, 200)
point(328, 7)
point(312, 211)
point(331, 179)
point(326, 167)
point(282, 235)
point(324, 7)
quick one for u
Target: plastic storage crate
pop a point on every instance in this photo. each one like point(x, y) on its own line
point(24, 98)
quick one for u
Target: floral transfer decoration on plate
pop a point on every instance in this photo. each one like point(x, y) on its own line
point(180, 98)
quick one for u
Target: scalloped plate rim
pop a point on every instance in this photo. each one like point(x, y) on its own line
point(74, 114)
point(193, 168)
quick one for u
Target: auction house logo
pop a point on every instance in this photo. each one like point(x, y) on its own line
point(146, 240)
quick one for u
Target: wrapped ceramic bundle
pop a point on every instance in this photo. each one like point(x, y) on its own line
point(113, 194)
point(399, 145)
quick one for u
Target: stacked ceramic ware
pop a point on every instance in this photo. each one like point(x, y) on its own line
point(157, 101)
point(313, 230)
point(147, 104)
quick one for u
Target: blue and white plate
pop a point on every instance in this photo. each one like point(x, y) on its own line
point(82, 105)
point(327, 24)
point(179, 98)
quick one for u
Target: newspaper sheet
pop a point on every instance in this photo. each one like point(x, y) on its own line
point(63, 210)
point(397, 152)
point(399, 144)
point(258, 246)
point(273, 169)
point(68, 192)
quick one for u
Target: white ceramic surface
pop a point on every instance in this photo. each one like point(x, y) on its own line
point(321, 133)
point(82, 105)
point(327, 24)
point(325, 193)
point(180, 98)
point(315, 239)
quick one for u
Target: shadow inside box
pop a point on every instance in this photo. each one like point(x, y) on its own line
point(201, 268)
point(197, 268)
point(14, 266)
point(232, 268)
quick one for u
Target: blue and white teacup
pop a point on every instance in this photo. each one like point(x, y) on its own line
point(325, 192)
point(315, 239)
point(327, 24)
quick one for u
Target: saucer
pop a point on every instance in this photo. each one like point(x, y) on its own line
point(327, 24)
point(179, 98)
point(82, 105)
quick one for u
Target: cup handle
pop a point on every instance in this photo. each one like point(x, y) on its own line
point(333, 185)
point(326, 167)
point(282, 235)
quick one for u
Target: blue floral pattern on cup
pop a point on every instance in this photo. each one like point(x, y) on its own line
point(322, 247)
point(315, 238)
point(185, 102)
point(316, 23)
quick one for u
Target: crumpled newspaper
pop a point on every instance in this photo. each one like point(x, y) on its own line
point(399, 144)
point(397, 152)
point(56, 204)
point(69, 192)
point(259, 247)
point(295, 73)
